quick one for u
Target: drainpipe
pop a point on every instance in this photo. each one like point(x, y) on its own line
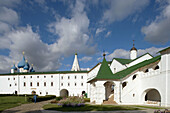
point(120, 87)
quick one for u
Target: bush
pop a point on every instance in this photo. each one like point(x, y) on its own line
point(86, 99)
point(71, 101)
point(41, 98)
point(59, 98)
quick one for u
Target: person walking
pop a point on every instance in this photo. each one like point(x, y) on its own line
point(35, 98)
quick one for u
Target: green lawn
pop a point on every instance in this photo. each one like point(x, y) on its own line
point(150, 107)
point(89, 108)
point(11, 101)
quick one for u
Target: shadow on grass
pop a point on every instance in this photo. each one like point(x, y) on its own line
point(89, 108)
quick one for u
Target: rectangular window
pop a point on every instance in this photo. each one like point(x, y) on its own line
point(51, 83)
point(15, 84)
point(44, 76)
point(75, 84)
point(30, 83)
point(81, 77)
point(68, 77)
point(81, 84)
point(10, 85)
point(37, 76)
point(61, 84)
point(75, 77)
point(62, 77)
point(38, 84)
point(51, 76)
point(68, 84)
point(24, 83)
point(44, 83)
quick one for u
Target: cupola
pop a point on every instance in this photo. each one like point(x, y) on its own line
point(133, 52)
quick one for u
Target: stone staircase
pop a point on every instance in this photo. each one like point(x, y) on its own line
point(110, 100)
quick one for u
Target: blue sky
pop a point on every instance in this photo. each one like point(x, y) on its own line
point(51, 31)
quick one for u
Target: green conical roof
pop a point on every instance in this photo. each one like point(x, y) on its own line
point(104, 71)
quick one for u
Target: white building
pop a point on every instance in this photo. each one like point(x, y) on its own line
point(138, 80)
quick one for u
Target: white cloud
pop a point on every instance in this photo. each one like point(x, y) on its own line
point(121, 53)
point(120, 9)
point(73, 32)
point(108, 33)
point(158, 31)
point(86, 59)
point(8, 15)
point(9, 3)
point(99, 30)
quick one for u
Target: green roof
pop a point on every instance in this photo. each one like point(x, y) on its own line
point(53, 72)
point(104, 71)
point(123, 61)
point(121, 74)
point(127, 61)
point(164, 49)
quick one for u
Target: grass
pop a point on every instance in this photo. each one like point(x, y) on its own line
point(11, 101)
point(150, 107)
point(89, 108)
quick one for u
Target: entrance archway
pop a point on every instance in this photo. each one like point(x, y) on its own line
point(153, 95)
point(64, 93)
point(109, 89)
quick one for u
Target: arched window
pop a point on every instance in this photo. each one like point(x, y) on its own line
point(157, 67)
point(124, 84)
point(146, 70)
point(134, 76)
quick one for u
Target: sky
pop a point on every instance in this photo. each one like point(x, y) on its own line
point(51, 31)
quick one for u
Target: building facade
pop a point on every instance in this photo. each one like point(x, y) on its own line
point(138, 80)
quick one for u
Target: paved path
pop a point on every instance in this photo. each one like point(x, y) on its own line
point(28, 108)
point(37, 108)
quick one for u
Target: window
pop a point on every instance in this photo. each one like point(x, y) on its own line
point(81, 84)
point(81, 77)
point(10, 85)
point(30, 76)
point(38, 84)
point(62, 77)
point(8, 78)
point(75, 77)
point(68, 84)
point(15, 84)
point(13, 78)
point(46, 93)
point(157, 67)
point(68, 77)
point(24, 83)
point(30, 83)
point(114, 70)
point(124, 84)
point(40, 93)
point(134, 76)
point(146, 70)
point(75, 84)
point(51, 76)
point(51, 83)
point(133, 95)
point(44, 76)
point(24, 76)
point(61, 84)
point(44, 83)
point(37, 76)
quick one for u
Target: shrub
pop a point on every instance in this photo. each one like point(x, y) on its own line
point(86, 99)
point(71, 101)
point(59, 98)
point(41, 98)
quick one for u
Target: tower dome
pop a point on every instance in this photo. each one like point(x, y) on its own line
point(21, 64)
point(32, 69)
point(14, 67)
point(133, 52)
point(27, 66)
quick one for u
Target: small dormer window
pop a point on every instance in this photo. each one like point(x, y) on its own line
point(157, 67)
point(124, 84)
point(134, 77)
point(146, 70)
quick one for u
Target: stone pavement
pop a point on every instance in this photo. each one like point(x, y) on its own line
point(37, 108)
